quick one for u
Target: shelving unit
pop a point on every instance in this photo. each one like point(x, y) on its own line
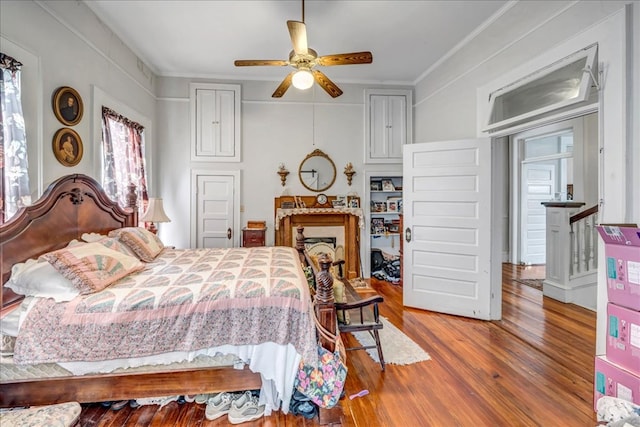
point(383, 230)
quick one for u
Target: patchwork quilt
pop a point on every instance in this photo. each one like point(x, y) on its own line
point(184, 300)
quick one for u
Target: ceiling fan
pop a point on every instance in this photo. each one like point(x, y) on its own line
point(304, 60)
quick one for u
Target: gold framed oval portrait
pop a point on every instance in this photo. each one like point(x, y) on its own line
point(67, 105)
point(67, 147)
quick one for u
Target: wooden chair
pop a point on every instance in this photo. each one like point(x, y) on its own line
point(359, 314)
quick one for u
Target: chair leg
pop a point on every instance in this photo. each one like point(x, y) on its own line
point(379, 346)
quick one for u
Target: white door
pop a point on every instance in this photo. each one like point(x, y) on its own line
point(538, 183)
point(447, 220)
point(216, 223)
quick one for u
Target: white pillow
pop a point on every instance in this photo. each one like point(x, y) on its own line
point(41, 279)
point(92, 237)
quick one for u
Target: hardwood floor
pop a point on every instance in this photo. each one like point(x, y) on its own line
point(532, 368)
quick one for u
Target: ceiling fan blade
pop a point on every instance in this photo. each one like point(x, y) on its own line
point(280, 90)
point(252, 62)
point(326, 84)
point(298, 33)
point(346, 59)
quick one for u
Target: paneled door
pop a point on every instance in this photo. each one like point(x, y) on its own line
point(215, 222)
point(447, 228)
point(538, 184)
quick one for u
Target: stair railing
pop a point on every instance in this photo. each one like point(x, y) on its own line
point(583, 241)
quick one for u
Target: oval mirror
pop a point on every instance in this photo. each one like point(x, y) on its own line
point(317, 171)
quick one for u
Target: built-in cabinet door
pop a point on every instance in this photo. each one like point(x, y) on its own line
point(215, 198)
point(388, 124)
point(216, 122)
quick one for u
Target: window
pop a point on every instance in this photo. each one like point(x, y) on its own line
point(14, 165)
point(123, 158)
point(565, 84)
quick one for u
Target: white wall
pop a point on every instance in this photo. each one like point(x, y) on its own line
point(66, 45)
point(274, 131)
point(531, 33)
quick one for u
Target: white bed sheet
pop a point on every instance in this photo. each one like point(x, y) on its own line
point(277, 365)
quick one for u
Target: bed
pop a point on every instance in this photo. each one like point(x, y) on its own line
point(261, 348)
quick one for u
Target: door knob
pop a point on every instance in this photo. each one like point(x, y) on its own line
point(407, 234)
point(229, 233)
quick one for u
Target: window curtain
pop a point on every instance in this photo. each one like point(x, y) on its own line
point(14, 191)
point(123, 158)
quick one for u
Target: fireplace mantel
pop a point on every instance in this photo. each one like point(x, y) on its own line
point(351, 219)
point(282, 213)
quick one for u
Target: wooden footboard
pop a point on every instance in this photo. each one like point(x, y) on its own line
point(107, 387)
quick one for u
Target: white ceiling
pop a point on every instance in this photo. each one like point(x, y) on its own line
point(203, 38)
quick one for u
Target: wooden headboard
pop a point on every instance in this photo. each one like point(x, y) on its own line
point(71, 206)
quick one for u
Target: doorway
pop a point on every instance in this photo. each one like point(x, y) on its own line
point(544, 169)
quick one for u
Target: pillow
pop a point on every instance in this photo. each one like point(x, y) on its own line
point(116, 245)
point(92, 237)
point(92, 267)
point(40, 279)
point(144, 243)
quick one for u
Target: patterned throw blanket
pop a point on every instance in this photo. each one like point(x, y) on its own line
point(183, 301)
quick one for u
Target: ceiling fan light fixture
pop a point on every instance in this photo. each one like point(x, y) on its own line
point(302, 79)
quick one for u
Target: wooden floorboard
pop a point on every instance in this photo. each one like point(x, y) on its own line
point(534, 367)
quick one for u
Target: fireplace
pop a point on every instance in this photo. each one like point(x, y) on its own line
point(341, 224)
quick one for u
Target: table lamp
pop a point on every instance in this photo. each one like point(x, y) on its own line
point(155, 213)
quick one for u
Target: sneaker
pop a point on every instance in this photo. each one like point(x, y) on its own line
point(306, 409)
point(202, 398)
point(218, 405)
point(162, 401)
point(116, 406)
point(245, 408)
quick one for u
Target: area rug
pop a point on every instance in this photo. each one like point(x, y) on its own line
point(532, 283)
point(397, 348)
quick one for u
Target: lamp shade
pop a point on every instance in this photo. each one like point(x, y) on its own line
point(302, 79)
point(155, 212)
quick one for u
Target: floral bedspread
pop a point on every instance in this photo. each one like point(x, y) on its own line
point(185, 300)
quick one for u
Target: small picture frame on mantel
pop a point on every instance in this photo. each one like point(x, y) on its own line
point(338, 203)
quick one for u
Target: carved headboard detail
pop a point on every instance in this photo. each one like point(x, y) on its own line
point(71, 206)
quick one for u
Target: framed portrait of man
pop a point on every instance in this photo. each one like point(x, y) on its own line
point(67, 147)
point(67, 105)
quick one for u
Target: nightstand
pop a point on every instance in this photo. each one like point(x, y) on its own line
point(252, 237)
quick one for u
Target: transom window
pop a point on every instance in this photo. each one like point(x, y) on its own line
point(563, 84)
